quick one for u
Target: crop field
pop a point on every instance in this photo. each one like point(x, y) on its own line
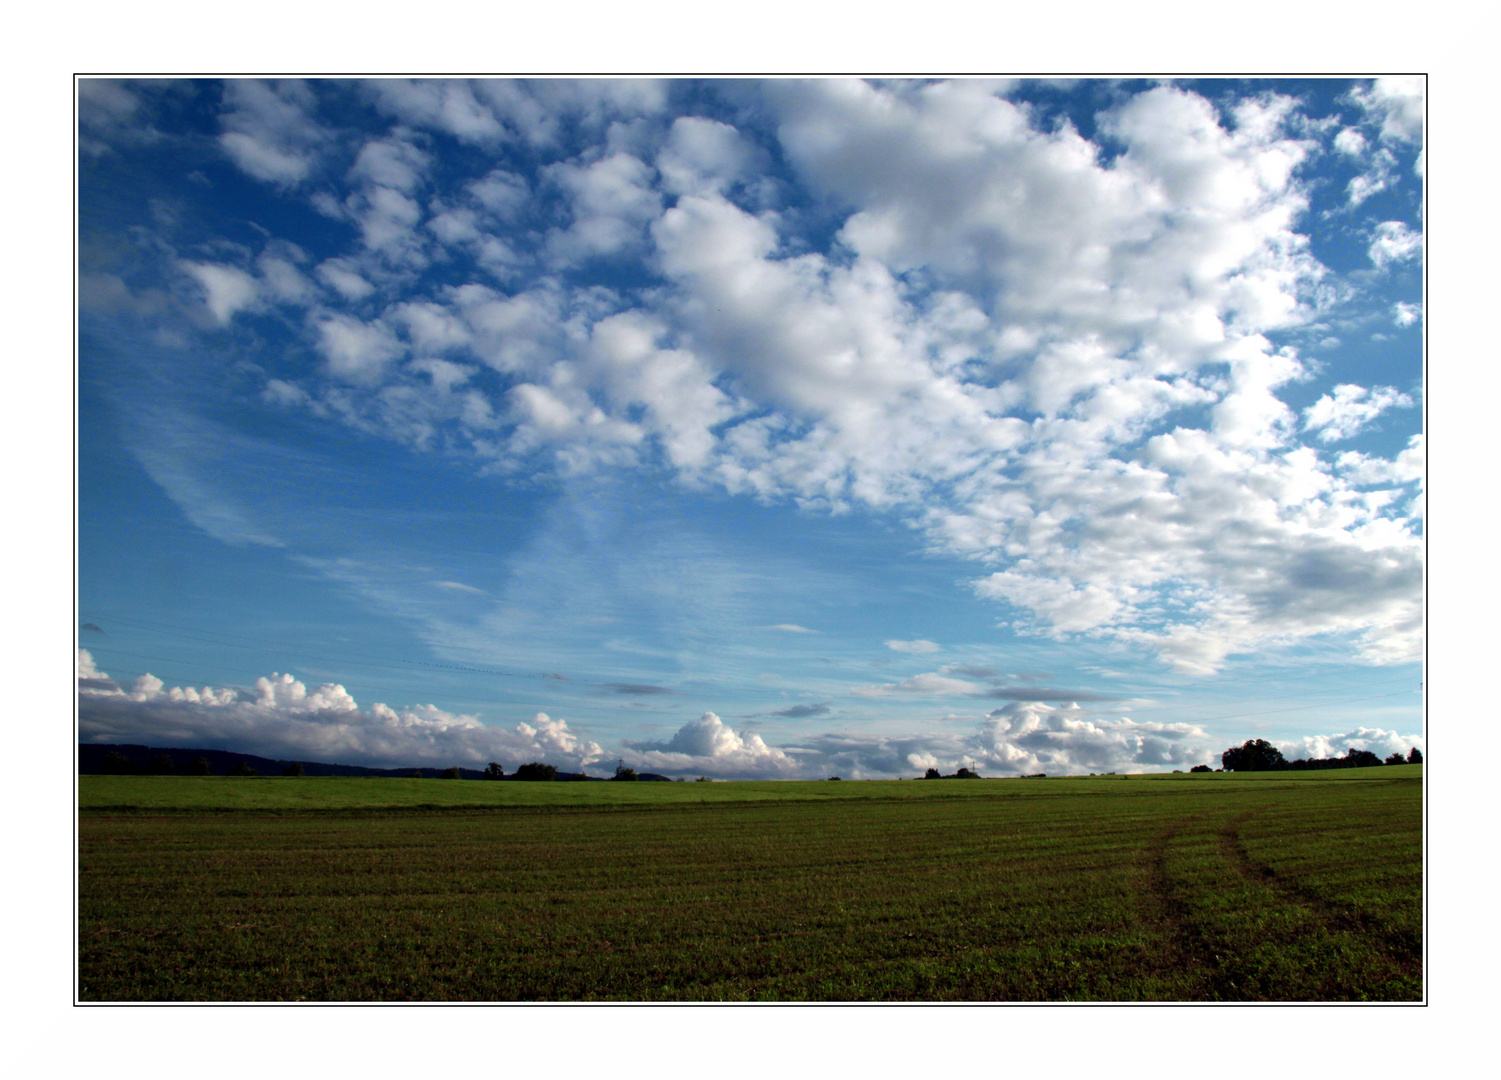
point(1304, 887)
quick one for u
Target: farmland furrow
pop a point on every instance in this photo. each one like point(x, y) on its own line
point(1404, 951)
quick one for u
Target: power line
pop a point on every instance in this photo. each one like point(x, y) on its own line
point(1300, 708)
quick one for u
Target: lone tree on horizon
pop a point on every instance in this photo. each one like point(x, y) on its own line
point(1257, 755)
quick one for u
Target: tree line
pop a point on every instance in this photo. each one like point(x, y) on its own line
point(1258, 755)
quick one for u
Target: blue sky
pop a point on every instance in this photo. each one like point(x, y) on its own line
point(751, 429)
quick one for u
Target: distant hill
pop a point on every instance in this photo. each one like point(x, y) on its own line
point(91, 761)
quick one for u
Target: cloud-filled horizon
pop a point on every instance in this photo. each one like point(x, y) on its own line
point(846, 410)
point(281, 718)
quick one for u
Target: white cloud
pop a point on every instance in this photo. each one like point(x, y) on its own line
point(268, 132)
point(341, 275)
point(710, 746)
point(705, 156)
point(611, 201)
point(281, 718)
point(926, 683)
point(227, 289)
point(1397, 103)
point(1406, 468)
point(392, 163)
point(1347, 411)
point(1404, 314)
point(357, 352)
point(1028, 737)
point(1394, 242)
point(1051, 360)
point(1378, 741)
point(1350, 141)
point(918, 647)
point(446, 104)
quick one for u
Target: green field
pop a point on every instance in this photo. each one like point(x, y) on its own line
point(1190, 887)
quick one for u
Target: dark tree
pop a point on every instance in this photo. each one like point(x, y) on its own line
point(1415, 756)
point(294, 769)
point(243, 769)
point(833, 778)
point(159, 765)
point(493, 771)
point(622, 773)
point(451, 773)
point(966, 774)
point(1201, 768)
point(117, 763)
point(200, 767)
point(1395, 759)
point(701, 780)
point(1359, 759)
point(415, 774)
point(932, 774)
point(1256, 755)
point(535, 770)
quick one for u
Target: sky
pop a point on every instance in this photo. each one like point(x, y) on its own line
point(751, 429)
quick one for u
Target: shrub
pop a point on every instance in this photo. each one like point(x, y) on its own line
point(965, 774)
point(243, 769)
point(833, 778)
point(200, 767)
point(451, 774)
point(536, 770)
point(932, 774)
point(160, 764)
point(294, 769)
point(1201, 768)
point(701, 780)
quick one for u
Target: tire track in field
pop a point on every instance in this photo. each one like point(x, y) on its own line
point(1186, 949)
point(1404, 951)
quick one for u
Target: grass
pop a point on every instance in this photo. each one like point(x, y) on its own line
point(1145, 888)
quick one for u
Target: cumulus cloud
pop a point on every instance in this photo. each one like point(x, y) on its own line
point(1052, 359)
point(281, 718)
point(611, 201)
point(268, 132)
point(710, 746)
point(1346, 412)
point(1019, 739)
point(226, 289)
point(1394, 242)
point(356, 351)
point(1397, 103)
point(919, 647)
point(1378, 741)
